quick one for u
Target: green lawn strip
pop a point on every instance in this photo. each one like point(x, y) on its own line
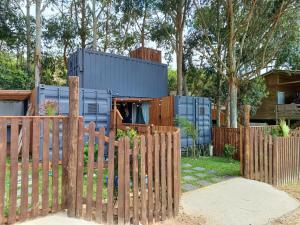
point(222, 166)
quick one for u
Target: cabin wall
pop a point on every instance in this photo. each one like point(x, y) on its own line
point(267, 109)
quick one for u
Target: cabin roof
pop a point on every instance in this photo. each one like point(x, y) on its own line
point(282, 72)
point(15, 95)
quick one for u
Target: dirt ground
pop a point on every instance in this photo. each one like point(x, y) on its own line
point(183, 219)
point(292, 218)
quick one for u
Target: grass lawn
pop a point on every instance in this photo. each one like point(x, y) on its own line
point(199, 172)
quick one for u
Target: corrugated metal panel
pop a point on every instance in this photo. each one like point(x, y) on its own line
point(12, 108)
point(94, 105)
point(196, 110)
point(126, 77)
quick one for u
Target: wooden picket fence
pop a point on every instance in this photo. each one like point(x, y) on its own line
point(32, 183)
point(274, 160)
point(141, 184)
point(222, 136)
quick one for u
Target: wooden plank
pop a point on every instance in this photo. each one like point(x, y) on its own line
point(163, 177)
point(156, 180)
point(121, 194)
point(25, 168)
point(176, 178)
point(110, 186)
point(3, 149)
point(275, 161)
point(169, 175)
point(241, 151)
point(256, 154)
point(13, 171)
point(270, 149)
point(80, 167)
point(65, 155)
point(150, 177)
point(261, 156)
point(135, 171)
point(127, 181)
point(266, 158)
point(143, 182)
point(90, 172)
point(45, 177)
point(35, 166)
point(100, 164)
point(55, 159)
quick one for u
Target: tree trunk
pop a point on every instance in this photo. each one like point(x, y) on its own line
point(218, 111)
point(28, 39)
point(233, 103)
point(38, 37)
point(95, 38)
point(179, 55)
point(83, 25)
point(231, 64)
point(228, 112)
point(106, 28)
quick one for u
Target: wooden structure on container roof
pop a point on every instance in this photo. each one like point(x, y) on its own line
point(283, 101)
point(146, 54)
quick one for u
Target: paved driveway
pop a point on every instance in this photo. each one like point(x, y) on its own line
point(238, 201)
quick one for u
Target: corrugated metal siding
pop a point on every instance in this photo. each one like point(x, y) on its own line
point(94, 105)
point(126, 77)
point(198, 111)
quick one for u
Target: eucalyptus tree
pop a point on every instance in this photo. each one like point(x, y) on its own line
point(252, 35)
point(168, 28)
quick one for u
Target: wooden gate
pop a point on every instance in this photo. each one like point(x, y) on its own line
point(139, 183)
point(32, 182)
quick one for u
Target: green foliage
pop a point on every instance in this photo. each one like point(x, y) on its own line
point(12, 76)
point(86, 153)
point(190, 130)
point(282, 130)
point(49, 108)
point(129, 132)
point(252, 93)
point(229, 151)
point(172, 80)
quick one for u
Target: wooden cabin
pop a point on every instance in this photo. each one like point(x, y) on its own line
point(283, 101)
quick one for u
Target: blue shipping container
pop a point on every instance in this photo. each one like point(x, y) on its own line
point(124, 76)
point(94, 105)
point(198, 111)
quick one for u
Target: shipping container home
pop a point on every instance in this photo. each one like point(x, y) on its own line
point(94, 105)
point(124, 76)
point(162, 112)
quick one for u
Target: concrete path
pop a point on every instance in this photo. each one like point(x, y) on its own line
point(238, 201)
point(57, 219)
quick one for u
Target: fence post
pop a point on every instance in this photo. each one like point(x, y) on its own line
point(246, 165)
point(73, 138)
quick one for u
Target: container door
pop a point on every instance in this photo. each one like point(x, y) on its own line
point(203, 120)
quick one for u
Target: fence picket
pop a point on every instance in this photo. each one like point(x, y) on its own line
point(127, 180)
point(35, 166)
point(110, 186)
point(80, 167)
point(135, 169)
point(121, 194)
point(169, 175)
point(45, 177)
point(90, 171)
point(65, 154)
point(99, 206)
point(25, 168)
point(55, 159)
point(176, 173)
point(270, 180)
point(163, 176)
point(150, 177)
point(3, 143)
point(143, 182)
point(266, 158)
point(157, 189)
point(13, 171)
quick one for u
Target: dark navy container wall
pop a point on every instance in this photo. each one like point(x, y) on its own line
point(94, 105)
point(126, 77)
point(198, 111)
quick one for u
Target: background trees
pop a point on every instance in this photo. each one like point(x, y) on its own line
point(220, 46)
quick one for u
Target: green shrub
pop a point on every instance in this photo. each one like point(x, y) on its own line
point(229, 151)
point(129, 132)
point(282, 130)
